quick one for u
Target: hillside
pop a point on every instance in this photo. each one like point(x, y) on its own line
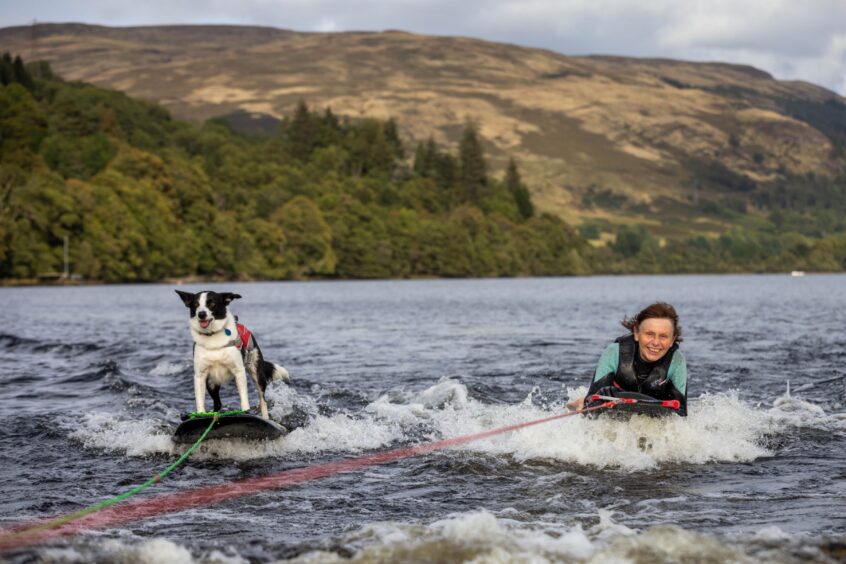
point(601, 141)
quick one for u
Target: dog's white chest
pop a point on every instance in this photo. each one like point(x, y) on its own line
point(219, 365)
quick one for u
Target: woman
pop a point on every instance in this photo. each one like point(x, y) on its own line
point(646, 361)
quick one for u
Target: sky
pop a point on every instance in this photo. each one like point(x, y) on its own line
point(790, 39)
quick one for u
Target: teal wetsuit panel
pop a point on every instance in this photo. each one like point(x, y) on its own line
point(608, 362)
point(677, 373)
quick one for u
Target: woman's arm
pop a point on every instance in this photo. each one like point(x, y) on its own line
point(603, 376)
point(677, 375)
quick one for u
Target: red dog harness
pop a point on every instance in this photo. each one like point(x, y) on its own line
point(246, 337)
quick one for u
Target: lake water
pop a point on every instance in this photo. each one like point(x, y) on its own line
point(94, 378)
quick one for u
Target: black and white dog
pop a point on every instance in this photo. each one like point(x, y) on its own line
point(224, 349)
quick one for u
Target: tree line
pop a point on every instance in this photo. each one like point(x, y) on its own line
point(142, 197)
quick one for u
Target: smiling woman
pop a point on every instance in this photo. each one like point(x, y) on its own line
point(646, 361)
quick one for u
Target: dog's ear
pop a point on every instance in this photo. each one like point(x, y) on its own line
point(229, 296)
point(187, 297)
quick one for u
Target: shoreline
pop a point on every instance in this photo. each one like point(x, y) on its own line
point(34, 282)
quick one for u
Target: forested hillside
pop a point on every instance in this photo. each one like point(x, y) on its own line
point(140, 196)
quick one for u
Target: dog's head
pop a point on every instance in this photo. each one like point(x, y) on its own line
point(208, 309)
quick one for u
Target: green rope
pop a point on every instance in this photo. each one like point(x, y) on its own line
point(117, 499)
point(201, 414)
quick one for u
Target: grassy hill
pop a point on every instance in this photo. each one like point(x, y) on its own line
point(601, 141)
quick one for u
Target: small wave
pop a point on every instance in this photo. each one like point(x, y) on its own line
point(12, 341)
point(792, 411)
point(8, 341)
point(480, 536)
point(446, 392)
point(152, 551)
point(477, 536)
point(67, 348)
point(169, 368)
point(113, 432)
point(108, 375)
point(101, 370)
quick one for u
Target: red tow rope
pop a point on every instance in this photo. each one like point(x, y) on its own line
point(39, 532)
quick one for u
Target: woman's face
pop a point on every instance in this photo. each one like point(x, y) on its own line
point(655, 337)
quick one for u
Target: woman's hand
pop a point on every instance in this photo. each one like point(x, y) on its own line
point(576, 404)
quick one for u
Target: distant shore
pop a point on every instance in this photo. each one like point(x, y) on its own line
point(20, 282)
point(35, 282)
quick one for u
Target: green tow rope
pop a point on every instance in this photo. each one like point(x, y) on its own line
point(55, 523)
point(201, 414)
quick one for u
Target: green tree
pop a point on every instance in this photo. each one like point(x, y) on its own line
point(472, 166)
point(23, 124)
point(518, 190)
point(630, 240)
point(308, 239)
point(20, 73)
point(7, 69)
point(80, 157)
point(303, 132)
point(370, 151)
point(393, 138)
point(425, 158)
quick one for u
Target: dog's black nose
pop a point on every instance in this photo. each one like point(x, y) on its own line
point(201, 314)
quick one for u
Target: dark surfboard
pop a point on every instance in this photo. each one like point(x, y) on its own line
point(645, 405)
point(242, 426)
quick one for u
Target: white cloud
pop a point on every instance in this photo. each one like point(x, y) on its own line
point(327, 26)
point(790, 39)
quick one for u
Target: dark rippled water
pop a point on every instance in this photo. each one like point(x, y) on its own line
point(94, 378)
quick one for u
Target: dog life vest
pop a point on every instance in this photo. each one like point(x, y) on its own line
point(246, 338)
point(244, 342)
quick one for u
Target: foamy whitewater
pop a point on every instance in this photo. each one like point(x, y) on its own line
point(721, 428)
point(753, 474)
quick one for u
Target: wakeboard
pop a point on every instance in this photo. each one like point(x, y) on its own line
point(244, 426)
point(628, 404)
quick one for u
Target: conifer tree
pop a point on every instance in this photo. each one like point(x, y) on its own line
point(303, 132)
point(330, 131)
point(425, 158)
point(472, 167)
point(392, 136)
point(446, 170)
point(370, 151)
point(330, 119)
point(20, 74)
point(518, 190)
point(419, 166)
point(7, 72)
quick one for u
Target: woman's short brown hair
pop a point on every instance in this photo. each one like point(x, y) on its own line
point(660, 310)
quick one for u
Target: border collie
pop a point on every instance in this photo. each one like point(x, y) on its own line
point(223, 348)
